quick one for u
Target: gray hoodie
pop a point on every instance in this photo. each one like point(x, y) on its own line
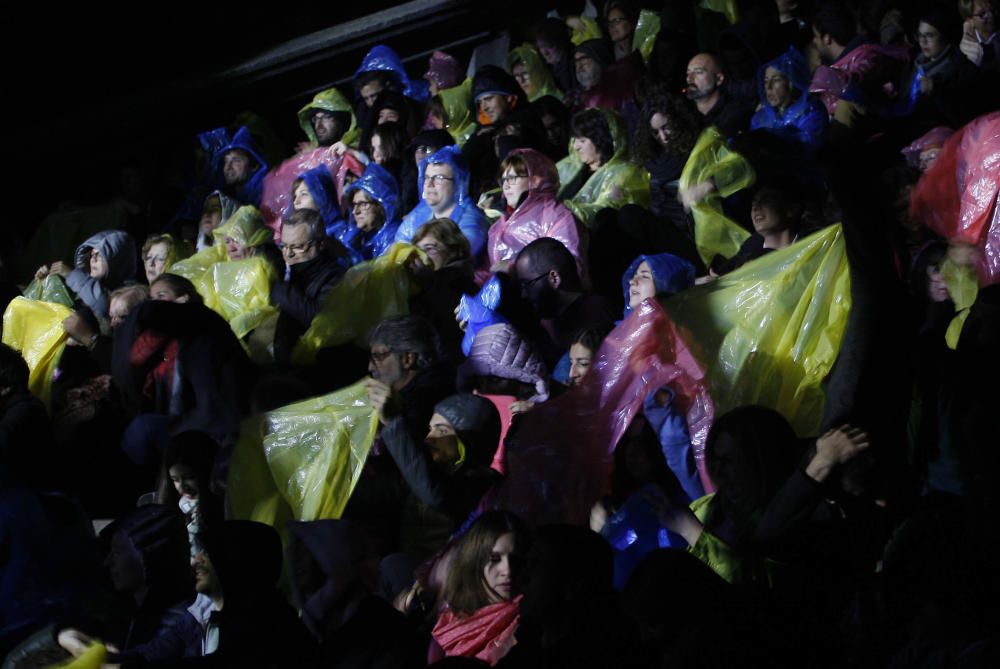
point(118, 249)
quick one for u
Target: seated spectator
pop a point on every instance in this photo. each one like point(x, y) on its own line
point(217, 209)
point(328, 119)
point(979, 36)
point(382, 70)
point(582, 349)
point(374, 222)
point(482, 591)
point(173, 288)
point(706, 86)
point(555, 47)
point(530, 181)
point(600, 82)
point(242, 167)
point(621, 17)
point(659, 275)
point(786, 106)
point(443, 71)
point(159, 253)
point(445, 179)
point(25, 431)
point(316, 190)
point(598, 174)
point(186, 482)
point(525, 64)
point(940, 72)
point(424, 144)
point(776, 215)
point(451, 109)
point(102, 263)
point(313, 269)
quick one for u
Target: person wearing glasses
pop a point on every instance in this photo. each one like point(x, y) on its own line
point(312, 271)
point(979, 36)
point(940, 71)
point(372, 202)
point(444, 177)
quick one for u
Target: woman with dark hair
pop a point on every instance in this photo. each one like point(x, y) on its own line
point(620, 18)
point(941, 74)
point(482, 590)
point(786, 107)
point(597, 174)
point(776, 216)
point(172, 288)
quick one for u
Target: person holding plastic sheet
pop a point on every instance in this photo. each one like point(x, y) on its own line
point(444, 177)
point(786, 106)
point(242, 168)
point(481, 594)
point(374, 222)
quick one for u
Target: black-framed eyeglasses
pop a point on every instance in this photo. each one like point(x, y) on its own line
point(510, 179)
point(437, 179)
point(296, 248)
point(527, 284)
point(378, 356)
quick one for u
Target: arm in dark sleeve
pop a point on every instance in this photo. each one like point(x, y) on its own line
point(413, 463)
point(791, 507)
point(296, 303)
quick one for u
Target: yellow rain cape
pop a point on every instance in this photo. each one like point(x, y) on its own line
point(963, 286)
point(369, 292)
point(457, 103)
point(587, 30)
point(769, 332)
point(711, 158)
point(35, 329)
point(302, 461)
point(646, 30)
point(541, 78)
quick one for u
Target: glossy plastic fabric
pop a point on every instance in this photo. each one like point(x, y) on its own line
point(239, 291)
point(805, 120)
point(384, 59)
point(35, 329)
point(330, 100)
point(541, 76)
point(242, 139)
point(539, 215)
point(671, 274)
point(770, 331)
point(963, 288)
point(276, 197)
point(647, 28)
point(957, 196)
point(559, 464)
point(369, 292)
point(94, 657)
point(50, 289)
point(711, 158)
point(866, 68)
point(728, 8)
point(634, 532)
point(479, 311)
point(616, 183)
point(251, 491)
point(934, 138)
point(457, 103)
point(587, 31)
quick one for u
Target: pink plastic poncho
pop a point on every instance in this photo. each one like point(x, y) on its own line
point(540, 215)
point(277, 194)
point(560, 463)
point(957, 196)
point(868, 67)
point(487, 634)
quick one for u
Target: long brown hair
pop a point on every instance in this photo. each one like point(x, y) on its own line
point(465, 589)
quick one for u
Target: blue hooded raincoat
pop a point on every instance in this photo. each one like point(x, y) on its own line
point(467, 216)
point(381, 187)
point(670, 274)
point(251, 191)
point(805, 119)
point(382, 58)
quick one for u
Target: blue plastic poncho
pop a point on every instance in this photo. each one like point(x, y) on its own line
point(670, 274)
point(479, 311)
point(323, 190)
point(467, 216)
point(382, 58)
point(805, 119)
point(251, 191)
point(381, 187)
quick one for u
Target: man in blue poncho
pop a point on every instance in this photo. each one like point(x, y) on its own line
point(445, 181)
point(382, 69)
point(787, 108)
point(242, 167)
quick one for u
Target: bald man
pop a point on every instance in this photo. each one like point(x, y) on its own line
point(706, 87)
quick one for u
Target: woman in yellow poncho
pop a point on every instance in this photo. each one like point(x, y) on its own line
point(597, 174)
point(527, 67)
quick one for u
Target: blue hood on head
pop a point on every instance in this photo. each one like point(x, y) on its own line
point(382, 58)
point(670, 274)
point(320, 183)
point(794, 66)
point(380, 186)
point(243, 140)
point(448, 155)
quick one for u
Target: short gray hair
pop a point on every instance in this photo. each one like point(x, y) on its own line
point(309, 217)
point(408, 334)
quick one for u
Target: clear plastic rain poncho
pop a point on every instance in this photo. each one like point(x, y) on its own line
point(457, 103)
point(586, 31)
point(711, 158)
point(542, 83)
point(647, 28)
point(35, 329)
point(614, 184)
point(767, 333)
point(369, 292)
point(302, 461)
point(237, 290)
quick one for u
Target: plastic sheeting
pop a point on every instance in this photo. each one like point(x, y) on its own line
point(302, 461)
point(369, 292)
point(963, 289)
point(457, 103)
point(542, 83)
point(52, 288)
point(276, 196)
point(729, 8)
point(711, 158)
point(647, 28)
point(479, 311)
point(585, 31)
point(35, 329)
point(240, 292)
point(957, 196)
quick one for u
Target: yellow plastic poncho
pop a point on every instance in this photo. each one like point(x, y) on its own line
point(368, 293)
point(729, 8)
point(457, 102)
point(93, 658)
point(770, 331)
point(647, 28)
point(50, 289)
point(302, 461)
point(35, 329)
point(587, 30)
point(238, 290)
point(711, 158)
point(541, 77)
point(330, 100)
point(963, 286)
point(615, 183)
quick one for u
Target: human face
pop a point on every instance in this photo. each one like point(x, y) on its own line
point(494, 106)
point(366, 211)
point(930, 41)
point(439, 186)
point(764, 217)
point(117, 311)
point(184, 480)
point(387, 366)
point(206, 581)
point(514, 185)
point(588, 70)
point(441, 441)
point(236, 250)
point(98, 265)
point(523, 76)
point(580, 358)
point(388, 115)
point(777, 90)
point(537, 288)
point(161, 291)
point(703, 77)
point(619, 27)
point(641, 286)
point(659, 125)
point(422, 152)
point(326, 127)
point(435, 250)
point(296, 246)
point(937, 290)
point(236, 167)
point(549, 52)
point(982, 18)
point(378, 155)
point(124, 564)
point(370, 91)
point(211, 216)
point(156, 260)
point(928, 157)
point(824, 46)
point(302, 198)
point(497, 573)
point(587, 152)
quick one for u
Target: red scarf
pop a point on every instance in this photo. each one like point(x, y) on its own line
point(487, 634)
point(145, 349)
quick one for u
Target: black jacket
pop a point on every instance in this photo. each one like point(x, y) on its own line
point(300, 299)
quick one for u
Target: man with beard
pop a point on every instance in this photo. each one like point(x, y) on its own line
point(243, 168)
point(547, 274)
point(601, 82)
point(327, 119)
point(706, 87)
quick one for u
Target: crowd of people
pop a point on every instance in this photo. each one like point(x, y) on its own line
point(668, 340)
